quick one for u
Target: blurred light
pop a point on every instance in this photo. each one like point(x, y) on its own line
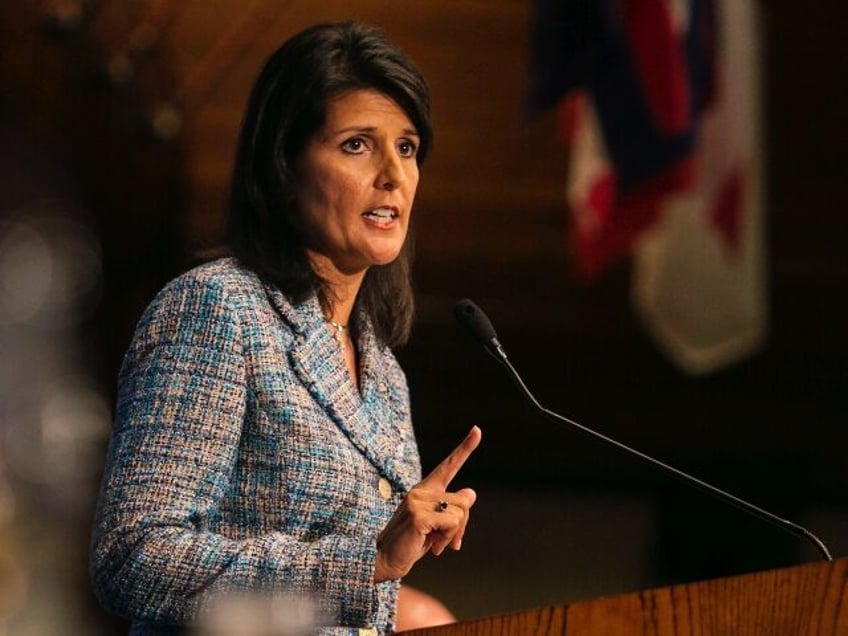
point(53, 417)
point(54, 438)
point(49, 266)
point(167, 121)
point(25, 273)
point(243, 614)
point(120, 69)
point(64, 15)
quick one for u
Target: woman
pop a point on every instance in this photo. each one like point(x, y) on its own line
point(262, 439)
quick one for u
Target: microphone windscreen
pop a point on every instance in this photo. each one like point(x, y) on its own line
point(472, 318)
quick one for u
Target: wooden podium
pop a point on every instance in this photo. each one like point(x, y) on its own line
point(805, 600)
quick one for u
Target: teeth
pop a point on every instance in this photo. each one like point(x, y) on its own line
point(383, 213)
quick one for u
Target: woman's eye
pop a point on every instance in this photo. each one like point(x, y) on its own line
point(354, 145)
point(407, 148)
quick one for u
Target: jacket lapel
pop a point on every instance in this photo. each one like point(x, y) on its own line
point(370, 424)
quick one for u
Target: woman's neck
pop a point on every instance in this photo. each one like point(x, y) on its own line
point(342, 288)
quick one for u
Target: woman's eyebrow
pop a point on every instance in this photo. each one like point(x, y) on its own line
point(410, 132)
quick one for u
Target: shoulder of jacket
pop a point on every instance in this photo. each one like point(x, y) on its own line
point(222, 280)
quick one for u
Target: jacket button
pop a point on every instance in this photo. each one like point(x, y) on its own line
point(385, 488)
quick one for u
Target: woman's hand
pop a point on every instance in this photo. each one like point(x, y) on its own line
point(422, 523)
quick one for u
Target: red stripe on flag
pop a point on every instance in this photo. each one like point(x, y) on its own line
point(726, 212)
point(605, 229)
point(658, 55)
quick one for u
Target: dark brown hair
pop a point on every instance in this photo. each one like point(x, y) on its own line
point(286, 107)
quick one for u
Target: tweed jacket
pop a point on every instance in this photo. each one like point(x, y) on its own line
point(244, 456)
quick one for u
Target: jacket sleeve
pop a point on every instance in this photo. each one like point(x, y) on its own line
point(178, 422)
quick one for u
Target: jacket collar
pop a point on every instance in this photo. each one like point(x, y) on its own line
point(369, 415)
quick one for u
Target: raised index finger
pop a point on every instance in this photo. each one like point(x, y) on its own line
point(444, 473)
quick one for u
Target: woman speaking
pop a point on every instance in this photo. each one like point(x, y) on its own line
point(263, 439)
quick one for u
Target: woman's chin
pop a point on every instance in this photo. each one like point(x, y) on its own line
point(384, 255)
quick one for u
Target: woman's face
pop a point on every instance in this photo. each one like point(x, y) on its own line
point(355, 183)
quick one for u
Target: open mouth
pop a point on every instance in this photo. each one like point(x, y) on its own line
point(381, 216)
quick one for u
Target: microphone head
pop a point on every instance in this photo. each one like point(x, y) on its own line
point(472, 318)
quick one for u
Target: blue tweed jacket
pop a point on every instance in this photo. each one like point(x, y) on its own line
point(244, 456)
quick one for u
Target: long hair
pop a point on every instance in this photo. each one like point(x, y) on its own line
point(286, 107)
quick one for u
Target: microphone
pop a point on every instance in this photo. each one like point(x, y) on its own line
point(472, 318)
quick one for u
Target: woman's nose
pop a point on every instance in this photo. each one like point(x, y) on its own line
point(391, 173)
